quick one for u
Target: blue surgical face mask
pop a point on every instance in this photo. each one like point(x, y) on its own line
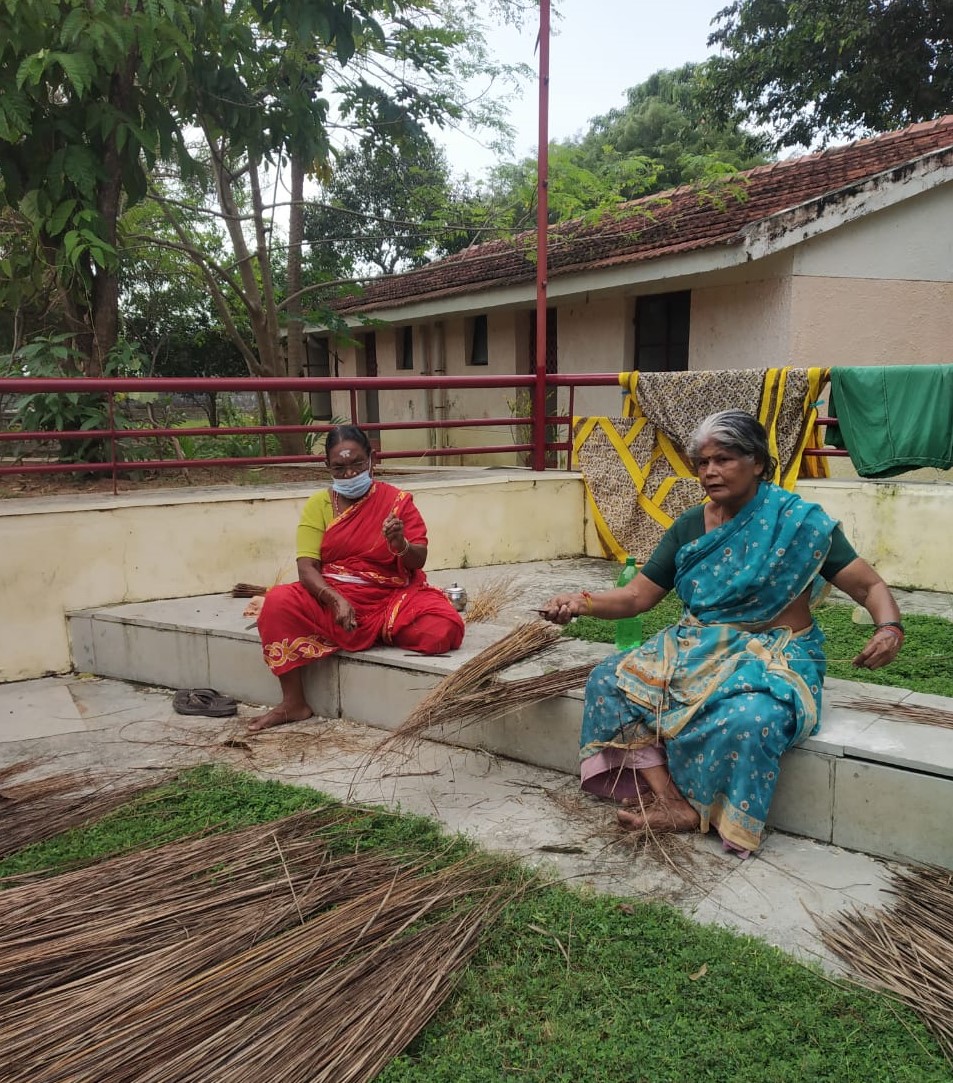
point(352, 488)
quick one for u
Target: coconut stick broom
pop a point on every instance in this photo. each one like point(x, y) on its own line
point(440, 704)
point(905, 712)
point(906, 950)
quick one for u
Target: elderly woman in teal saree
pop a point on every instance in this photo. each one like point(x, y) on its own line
point(688, 730)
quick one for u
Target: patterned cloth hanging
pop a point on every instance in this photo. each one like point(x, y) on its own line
point(638, 478)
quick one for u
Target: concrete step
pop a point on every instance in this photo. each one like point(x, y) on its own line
point(867, 781)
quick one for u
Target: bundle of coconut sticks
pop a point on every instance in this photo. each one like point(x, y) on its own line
point(249, 590)
point(904, 712)
point(473, 691)
point(906, 950)
point(239, 956)
point(36, 809)
point(491, 598)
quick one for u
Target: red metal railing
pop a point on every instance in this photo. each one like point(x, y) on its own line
point(354, 386)
point(827, 452)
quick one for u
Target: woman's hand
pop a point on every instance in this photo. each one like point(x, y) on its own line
point(882, 647)
point(344, 614)
point(868, 589)
point(394, 534)
point(563, 607)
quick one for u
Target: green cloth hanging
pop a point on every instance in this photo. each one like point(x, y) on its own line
point(893, 418)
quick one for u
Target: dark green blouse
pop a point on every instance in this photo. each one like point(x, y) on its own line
point(660, 567)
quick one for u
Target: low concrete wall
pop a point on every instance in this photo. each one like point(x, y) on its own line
point(63, 554)
point(901, 527)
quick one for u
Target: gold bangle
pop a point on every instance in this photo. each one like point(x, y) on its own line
point(406, 547)
point(588, 598)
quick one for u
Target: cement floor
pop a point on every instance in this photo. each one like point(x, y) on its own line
point(538, 815)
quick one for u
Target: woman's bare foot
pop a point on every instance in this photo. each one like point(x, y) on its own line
point(660, 815)
point(640, 801)
point(280, 715)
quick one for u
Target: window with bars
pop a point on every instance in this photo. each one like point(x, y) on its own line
point(661, 332)
point(478, 342)
point(405, 348)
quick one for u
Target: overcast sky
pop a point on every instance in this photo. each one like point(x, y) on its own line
point(599, 49)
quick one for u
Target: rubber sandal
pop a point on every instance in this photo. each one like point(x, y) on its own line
point(203, 701)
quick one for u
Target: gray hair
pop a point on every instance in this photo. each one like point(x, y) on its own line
point(738, 431)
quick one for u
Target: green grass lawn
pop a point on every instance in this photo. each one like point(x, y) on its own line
point(576, 987)
point(922, 666)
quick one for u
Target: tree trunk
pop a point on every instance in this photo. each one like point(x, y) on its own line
point(103, 315)
point(295, 324)
point(294, 341)
point(258, 295)
point(286, 406)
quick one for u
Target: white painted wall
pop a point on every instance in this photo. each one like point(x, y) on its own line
point(741, 326)
point(909, 240)
point(865, 321)
point(902, 528)
point(64, 554)
point(595, 335)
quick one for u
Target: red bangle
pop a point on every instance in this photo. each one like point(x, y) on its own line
point(588, 598)
point(893, 628)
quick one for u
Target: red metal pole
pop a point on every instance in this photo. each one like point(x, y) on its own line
point(542, 242)
point(112, 439)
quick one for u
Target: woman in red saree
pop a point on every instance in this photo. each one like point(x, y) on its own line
point(362, 545)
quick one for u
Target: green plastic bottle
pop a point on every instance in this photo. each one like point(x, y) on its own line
point(628, 630)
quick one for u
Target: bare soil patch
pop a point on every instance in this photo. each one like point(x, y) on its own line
point(16, 486)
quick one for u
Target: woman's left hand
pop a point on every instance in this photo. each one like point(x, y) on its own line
point(882, 647)
point(394, 533)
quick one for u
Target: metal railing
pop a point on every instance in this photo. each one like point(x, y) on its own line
point(113, 462)
point(114, 436)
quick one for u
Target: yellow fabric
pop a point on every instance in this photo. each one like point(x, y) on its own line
point(316, 517)
point(641, 453)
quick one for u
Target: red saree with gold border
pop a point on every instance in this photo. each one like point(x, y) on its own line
point(394, 605)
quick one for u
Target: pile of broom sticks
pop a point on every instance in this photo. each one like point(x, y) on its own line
point(906, 950)
point(474, 691)
point(906, 712)
point(33, 811)
point(238, 956)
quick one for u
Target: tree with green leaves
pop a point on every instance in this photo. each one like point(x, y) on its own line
point(665, 135)
point(833, 68)
point(506, 203)
point(166, 307)
point(95, 96)
point(381, 208)
point(85, 94)
point(668, 120)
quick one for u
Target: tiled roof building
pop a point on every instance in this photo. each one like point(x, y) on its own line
point(759, 206)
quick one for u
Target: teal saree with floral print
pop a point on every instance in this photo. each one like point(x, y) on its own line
point(721, 693)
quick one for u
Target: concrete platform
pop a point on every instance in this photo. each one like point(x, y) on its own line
point(866, 781)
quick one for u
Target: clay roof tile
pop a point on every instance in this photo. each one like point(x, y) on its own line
point(679, 220)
